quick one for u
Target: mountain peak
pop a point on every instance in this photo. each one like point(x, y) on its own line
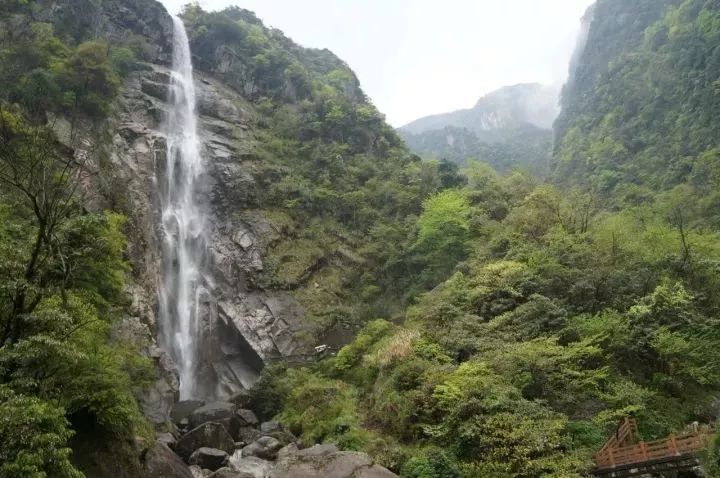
point(508, 107)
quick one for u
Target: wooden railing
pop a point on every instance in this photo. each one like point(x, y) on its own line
point(625, 435)
point(612, 456)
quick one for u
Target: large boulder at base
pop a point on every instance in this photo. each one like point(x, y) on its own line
point(210, 435)
point(220, 412)
point(161, 462)
point(326, 462)
point(210, 458)
point(246, 418)
point(183, 409)
point(249, 466)
point(264, 447)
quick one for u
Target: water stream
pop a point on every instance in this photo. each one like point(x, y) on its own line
point(184, 242)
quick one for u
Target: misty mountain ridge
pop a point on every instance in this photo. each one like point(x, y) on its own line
point(509, 127)
point(506, 108)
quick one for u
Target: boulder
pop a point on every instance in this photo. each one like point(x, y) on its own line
point(264, 447)
point(161, 462)
point(210, 458)
point(247, 434)
point(345, 464)
point(196, 471)
point(221, 412)
point(249, 466)
point(246, 418)
point(269, 427)
point(318, 450)
point(282, 436)
point(325, 461)
point(183, 409)
point(288, 450)
point(210, 435)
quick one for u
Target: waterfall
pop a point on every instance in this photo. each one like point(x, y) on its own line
point(184, 242)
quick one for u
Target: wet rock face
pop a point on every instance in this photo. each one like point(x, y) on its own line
point(242, 327)
point(157, 399)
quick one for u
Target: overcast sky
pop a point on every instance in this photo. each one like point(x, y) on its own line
point(421, 57)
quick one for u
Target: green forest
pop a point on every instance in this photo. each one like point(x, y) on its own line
point(503, 321)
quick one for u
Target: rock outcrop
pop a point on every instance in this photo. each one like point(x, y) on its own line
point(242, 326)
point(323, 461)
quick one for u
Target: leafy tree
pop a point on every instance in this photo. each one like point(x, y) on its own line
point(89, 78)
point(444, 230)
point(34, 434)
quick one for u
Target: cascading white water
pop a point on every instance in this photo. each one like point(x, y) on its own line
point(184, 244)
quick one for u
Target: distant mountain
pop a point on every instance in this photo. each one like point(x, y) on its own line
point(509, 127)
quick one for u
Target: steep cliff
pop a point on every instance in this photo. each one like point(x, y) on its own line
point(506, 128)
point(640, 108)
point(302, 172)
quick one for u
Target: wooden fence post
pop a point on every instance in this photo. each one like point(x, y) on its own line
point(673, 444)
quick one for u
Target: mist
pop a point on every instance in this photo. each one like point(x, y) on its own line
point(415, 58)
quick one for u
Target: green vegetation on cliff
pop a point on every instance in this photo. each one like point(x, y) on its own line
point(334, 177)
point(641, 112)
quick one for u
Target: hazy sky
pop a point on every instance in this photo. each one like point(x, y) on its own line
point(420, 57)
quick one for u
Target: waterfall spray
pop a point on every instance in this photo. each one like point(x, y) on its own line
point(184, 244)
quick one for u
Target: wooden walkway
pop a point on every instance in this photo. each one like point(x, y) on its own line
point(623, 455)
